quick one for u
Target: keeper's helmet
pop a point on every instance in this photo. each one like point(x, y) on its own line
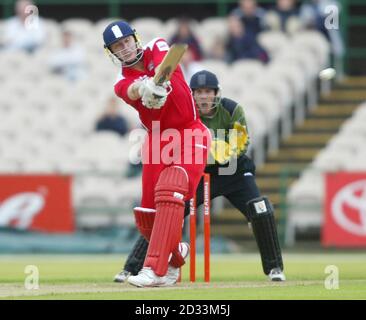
point(206, 79)
point(114, 32)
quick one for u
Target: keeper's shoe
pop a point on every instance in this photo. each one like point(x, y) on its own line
point(122, 276)
point(277, 274)
point(147, 278)
point(173, 273)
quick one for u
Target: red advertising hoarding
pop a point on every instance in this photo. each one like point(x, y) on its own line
point(38, 203)
point(345, 210)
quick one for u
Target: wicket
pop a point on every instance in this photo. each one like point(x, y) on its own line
point(206, 232)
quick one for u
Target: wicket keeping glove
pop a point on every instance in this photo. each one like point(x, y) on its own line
point(238, 138)
point(153, 96)
point(220, 150)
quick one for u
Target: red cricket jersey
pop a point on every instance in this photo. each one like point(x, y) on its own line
point(179, 111)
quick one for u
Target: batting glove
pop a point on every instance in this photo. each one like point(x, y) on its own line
point(153, 96)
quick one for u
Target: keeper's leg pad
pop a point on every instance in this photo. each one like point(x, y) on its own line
point(145, 218)
point(170, 192)
point(136, 258)
point(261, 216)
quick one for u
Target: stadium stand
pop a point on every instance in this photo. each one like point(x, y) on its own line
point(47, 123)
point(344, 151)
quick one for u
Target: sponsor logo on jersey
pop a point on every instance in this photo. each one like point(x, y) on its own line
point(150, 66)
point(162, 46)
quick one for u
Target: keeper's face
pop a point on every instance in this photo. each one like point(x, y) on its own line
point(205, 98)
point(125, 49)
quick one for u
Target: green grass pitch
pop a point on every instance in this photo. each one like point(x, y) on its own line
point(236, 277)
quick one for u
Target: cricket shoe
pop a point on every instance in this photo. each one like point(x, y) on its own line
point(147, 278)
point(277, 274)
point(122, 276)
point(173, 273)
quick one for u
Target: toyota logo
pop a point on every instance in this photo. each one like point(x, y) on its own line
point(20, 209)
point(351, 199)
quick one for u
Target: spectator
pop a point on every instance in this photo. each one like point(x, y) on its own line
point(184, 34)
point(189, 65)
point(250, 15)
point(242, 45)
point(25, 31)
point(218, 49)
point(284, 17)
point(111, 120)
point(313, 16)
point(69, 60)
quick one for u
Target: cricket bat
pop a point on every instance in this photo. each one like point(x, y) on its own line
point(169, 63)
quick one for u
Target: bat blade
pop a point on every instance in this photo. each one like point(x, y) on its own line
point(169, 63)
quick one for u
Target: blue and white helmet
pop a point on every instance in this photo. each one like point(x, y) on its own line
point(114, 32)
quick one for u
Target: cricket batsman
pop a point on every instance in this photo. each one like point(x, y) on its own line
point(240, 188)
point(167, 111)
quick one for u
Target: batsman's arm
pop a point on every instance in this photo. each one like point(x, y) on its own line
point(133, 90)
